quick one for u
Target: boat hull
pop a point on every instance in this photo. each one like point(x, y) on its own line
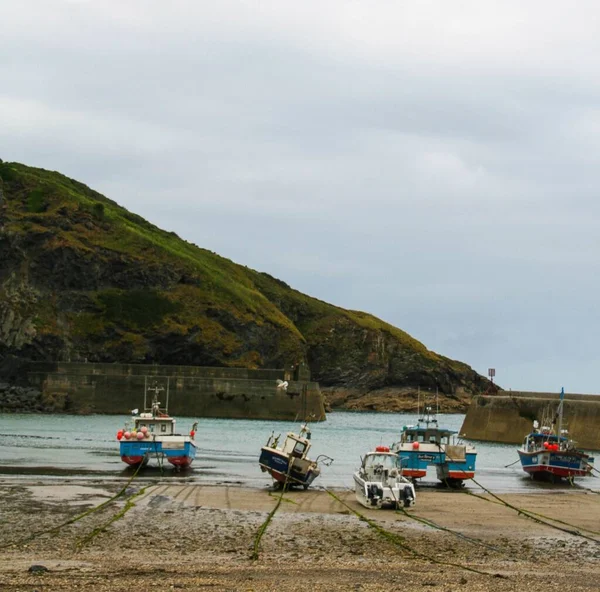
point(555, 464)
point(180, 451)
point(416, 462)
point(277, 464)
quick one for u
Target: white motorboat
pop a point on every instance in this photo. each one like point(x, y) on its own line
point(379, 482)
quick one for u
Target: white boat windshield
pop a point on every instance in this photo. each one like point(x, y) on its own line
point(388, 461)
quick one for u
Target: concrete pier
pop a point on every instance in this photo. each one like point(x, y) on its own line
point(508, 416)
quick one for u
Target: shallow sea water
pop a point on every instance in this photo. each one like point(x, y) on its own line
point(85, 447)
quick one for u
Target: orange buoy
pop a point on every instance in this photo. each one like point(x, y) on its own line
point(382, 449)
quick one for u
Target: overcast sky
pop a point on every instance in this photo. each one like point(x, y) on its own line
point(435, 163)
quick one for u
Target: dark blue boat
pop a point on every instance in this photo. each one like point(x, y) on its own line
point(288, 464)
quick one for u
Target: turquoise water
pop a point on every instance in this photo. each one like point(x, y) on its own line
point(58, 446)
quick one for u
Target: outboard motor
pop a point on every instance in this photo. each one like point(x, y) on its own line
point(408, 496)
point(375, 493)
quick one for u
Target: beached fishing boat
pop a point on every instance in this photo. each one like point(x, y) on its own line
point(289, 463)
point(549, 453)
point(153, 436)
point(426, 444)
point(379, 483)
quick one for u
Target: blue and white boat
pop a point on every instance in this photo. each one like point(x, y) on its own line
point(289, 464)
point(549, 453)
point(426, 444)
point(154, 436)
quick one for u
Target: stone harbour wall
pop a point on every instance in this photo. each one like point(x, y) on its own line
point(508, 416)
point(191, 390)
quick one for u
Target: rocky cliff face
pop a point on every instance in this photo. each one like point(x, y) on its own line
point(83, 279)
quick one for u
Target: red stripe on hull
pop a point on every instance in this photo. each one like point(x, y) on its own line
point(132, 460)
point(413, 473)
point(275, 474)
point(180, 461)
point(558, 471)
point(461, 474)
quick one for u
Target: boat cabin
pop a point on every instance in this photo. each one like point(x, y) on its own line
point(159, 426)
point(544, 440)
point(385, 460)
point(427, 435)
point(296, 446)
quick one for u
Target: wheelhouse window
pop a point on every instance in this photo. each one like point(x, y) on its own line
point(299, 449)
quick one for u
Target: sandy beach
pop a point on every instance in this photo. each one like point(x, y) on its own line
point(195, 537)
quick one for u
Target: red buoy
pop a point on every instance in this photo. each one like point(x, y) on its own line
point(415, 445)
point(119, 434)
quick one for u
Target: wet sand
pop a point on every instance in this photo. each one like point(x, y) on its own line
point(195, 537)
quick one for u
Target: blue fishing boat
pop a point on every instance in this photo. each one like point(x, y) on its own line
point(426, 444)
point(289, 464)
point(153, 436)
point(549, 453)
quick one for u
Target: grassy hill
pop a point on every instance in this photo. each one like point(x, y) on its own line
point(83, 278)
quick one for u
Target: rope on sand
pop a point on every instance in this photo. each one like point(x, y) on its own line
point(263, 527)
point(536, 517)
point(432, 524)
point(456, 533)
point(55, 529)
point(399, 541)
point(539, 518)
point(102, 528)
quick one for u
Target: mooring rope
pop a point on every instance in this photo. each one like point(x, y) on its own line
point(39, 533)
point(536, 517)
point(96, 531)
point(456, 533)
point(263, 527)
point(399, 541)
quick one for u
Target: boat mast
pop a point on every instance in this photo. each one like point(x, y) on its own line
point(560, 413)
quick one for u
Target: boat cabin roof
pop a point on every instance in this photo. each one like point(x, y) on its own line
point(145, 420)
point(429, 434)
point(421, 430)
point(549, 437)
point(389, 460)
